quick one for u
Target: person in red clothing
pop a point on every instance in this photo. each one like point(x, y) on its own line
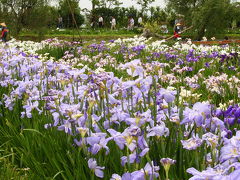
point(4, 32)
point(177, 31)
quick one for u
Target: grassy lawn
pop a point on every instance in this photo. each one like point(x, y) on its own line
point(103, 34)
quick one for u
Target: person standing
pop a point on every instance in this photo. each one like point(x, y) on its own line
point(4, 32)
point(131, 24)
point(60, 22)
point(113, 23)
point(100, 22)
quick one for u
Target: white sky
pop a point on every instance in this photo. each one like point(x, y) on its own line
point(126, 3)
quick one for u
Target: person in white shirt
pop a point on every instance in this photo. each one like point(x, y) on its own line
point(100, 21)
point(113, 23)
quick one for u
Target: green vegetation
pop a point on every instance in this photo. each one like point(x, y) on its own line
point(208, 18)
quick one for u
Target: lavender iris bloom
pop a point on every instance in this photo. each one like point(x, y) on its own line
point(98, 143)
point(167, 95)
point(210, 173)
point(192, 143)
point(211, 139)
point(159, 130)
point(118, 138)
point(230, 153)
point(148, 172)
point(198, 114)
point(132, 158)
point(67, 127)
point(116, 177)
point(92, 164)
point(55, 118)
point(215, 123)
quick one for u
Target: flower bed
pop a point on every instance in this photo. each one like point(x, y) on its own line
point(124, 109)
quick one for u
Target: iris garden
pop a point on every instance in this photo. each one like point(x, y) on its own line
point(126, 109)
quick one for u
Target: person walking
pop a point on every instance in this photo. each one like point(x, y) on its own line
point(100, 22)
point(113, 23)
point(4, 32)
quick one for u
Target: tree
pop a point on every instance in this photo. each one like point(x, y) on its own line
point(159, 15)
point(208, 17)
point(144, 4)
point(70, 12)
point(95, 3)
point(211, 18)
point(234, 14)
point(21, 11)
point(109, 3)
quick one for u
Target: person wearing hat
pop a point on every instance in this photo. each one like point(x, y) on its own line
point(177, 31)
point(4, 32)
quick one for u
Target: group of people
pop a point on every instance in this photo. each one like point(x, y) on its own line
point(4, 33)
point(113, 22)
point(131, 23)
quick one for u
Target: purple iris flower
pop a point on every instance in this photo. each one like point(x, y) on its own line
point(92, 164)
point(113, 100)
point(167, 95)
point(209, 173)
point(218, 112)
point(237, 113)
point(159, 130)
point(142, 142)
point(133, 130)
point(207, 65)
point(80, 143)
point(202, 108)
point(149, 170)
point(144, 152)
point(234, 175)
point(198, 114)
point(211, 139)
point(132, 158)
point(138, 48)
point(229, 120)
point(127, 176)
point(214, 123)
point(192, 143)
point(67, 127)
point(118, 138)
point(98, 143)
point(140, 119)
point(136, 71)
point(55, 118)
point(116, 177)
point(118, 115)
point(230, 152)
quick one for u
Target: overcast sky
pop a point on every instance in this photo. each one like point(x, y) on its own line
point(126, 3)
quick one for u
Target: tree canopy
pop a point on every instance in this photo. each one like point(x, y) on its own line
point(22, 11)
point(208, 17)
